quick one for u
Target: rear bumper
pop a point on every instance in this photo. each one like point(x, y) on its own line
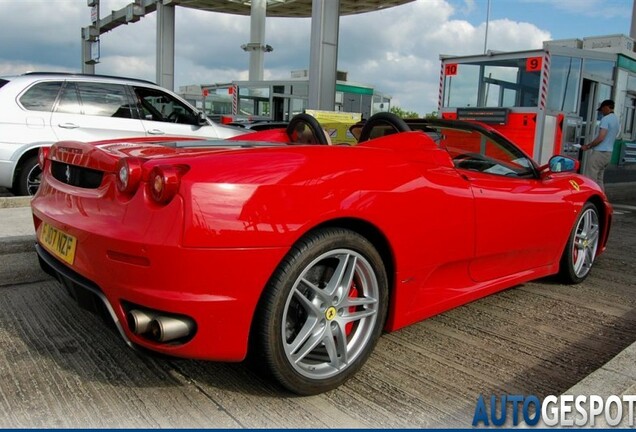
point(86, 293)
point(218, 289)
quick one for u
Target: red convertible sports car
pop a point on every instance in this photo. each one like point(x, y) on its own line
point(299, 252)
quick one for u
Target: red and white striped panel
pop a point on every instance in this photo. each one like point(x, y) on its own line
point(545, 75)
point(441, 88)
point(235, 97)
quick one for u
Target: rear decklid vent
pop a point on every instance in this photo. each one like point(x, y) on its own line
point(76, 175)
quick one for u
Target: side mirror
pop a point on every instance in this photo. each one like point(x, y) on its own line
point(561, 163)
point(202, 119)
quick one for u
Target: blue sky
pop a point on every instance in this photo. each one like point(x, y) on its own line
point(396, 50)
point(564, 19)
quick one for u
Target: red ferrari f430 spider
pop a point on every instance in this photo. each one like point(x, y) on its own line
point(299, 252)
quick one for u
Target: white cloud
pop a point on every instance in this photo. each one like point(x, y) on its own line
point(20, 67)
point(506, 35)
point(401, 57)
point(142, 67)
point(396, 50)
point(590, 8)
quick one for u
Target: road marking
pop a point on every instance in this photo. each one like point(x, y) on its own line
point(624, 207)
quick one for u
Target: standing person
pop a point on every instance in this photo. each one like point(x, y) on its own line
point(600, 149)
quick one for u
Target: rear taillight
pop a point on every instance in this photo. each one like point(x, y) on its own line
point(43, 155)
point(164, 181)
point(129, 173)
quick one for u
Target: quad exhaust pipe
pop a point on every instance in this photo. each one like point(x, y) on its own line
point(139, 321)
point(159, 328)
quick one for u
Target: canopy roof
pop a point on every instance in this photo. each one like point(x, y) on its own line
point(288, 8)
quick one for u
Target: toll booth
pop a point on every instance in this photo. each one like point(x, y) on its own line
point(545, 100)
point(279, 100)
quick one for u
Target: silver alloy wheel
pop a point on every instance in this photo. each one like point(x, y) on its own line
point(33, 179)
point(330, 313)
point(585, 242)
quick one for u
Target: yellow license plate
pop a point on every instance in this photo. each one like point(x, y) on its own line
point(59, 243)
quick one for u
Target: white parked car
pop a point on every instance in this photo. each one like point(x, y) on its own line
point(38, 109)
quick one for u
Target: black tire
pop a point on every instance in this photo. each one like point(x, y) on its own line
point(303, 121)
point(395, 123)
point(580, 250)
point(312, 332)
point(28, 179)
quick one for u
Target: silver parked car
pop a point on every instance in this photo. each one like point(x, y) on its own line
point(38, 109)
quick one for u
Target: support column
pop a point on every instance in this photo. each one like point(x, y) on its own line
point(632, 28)
point(323, 61)
point(165, 45)
point(257, 39)
point(90, 37)
point(88, 67)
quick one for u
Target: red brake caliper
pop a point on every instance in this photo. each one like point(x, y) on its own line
point(353, 293)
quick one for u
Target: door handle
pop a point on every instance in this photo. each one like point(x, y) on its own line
point(156, 132)
point(68, 125)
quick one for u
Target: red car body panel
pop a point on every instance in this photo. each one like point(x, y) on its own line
point(448, 236)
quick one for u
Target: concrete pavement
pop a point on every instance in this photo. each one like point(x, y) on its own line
point(19, 265)
point(16, 221)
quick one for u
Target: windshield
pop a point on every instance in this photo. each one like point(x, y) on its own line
point(476, 151)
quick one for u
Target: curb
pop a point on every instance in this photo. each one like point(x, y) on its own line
point(20, 262)
point(13, 202)
point(17, 244)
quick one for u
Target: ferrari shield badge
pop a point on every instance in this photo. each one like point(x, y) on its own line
point(575, 185)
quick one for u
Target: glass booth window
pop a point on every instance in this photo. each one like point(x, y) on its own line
point(254, 100)
point(563, 90)
point(460, 90)
point(498, 83)
point(631, 83)
point(629, 112)
point(260, 92)
point(500, 86)
point(629, 131)
point(599, 69)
